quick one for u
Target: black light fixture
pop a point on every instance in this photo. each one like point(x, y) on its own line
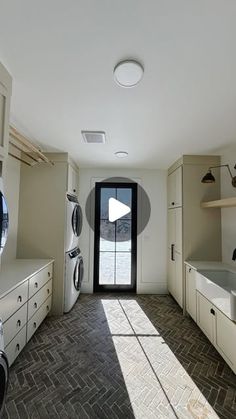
point(209, 178)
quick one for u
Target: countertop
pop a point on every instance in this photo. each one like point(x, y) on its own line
point(17, 271)
point(210, 265)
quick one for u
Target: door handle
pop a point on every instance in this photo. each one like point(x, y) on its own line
point(172, 252)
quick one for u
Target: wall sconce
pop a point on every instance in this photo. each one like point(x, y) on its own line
point(209, 178)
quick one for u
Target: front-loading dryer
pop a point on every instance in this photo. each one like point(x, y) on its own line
point(74, 219)
point(4, 372)
point(74, 272)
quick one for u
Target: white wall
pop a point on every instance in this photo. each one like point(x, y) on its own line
point(11, 189)
point(151, 244)
point(228, 215)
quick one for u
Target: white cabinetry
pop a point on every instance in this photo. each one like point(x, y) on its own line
point(174, 195)
point(219, 329)
point(72, 180)
point(191, 294)
point(23, 308)
point(192, 234)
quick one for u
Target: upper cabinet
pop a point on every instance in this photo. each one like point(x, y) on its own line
point(5, 95)
point(175, 188)
point(193, 233)
point(72, 180)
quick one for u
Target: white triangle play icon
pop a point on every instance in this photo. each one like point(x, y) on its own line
point(117, 209)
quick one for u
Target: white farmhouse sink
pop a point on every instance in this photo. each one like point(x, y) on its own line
point(219, 286)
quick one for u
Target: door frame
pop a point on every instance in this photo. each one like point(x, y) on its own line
point(97, 213)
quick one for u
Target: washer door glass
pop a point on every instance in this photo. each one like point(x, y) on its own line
point(78, 273)
point(4, 375)
point(77, 220)
point(4, 221)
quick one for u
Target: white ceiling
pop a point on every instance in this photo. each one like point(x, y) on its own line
point(61, 54)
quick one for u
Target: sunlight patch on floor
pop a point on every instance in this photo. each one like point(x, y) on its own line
point(157, 384)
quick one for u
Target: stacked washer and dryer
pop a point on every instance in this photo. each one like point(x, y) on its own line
point(74, 266)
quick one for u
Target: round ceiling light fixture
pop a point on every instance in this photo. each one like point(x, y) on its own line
point(121, 154)
point(128, 73)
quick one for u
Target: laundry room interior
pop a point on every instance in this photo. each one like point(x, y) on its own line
point(117, 209)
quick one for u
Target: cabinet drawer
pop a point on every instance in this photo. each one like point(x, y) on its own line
point(37, 281)
point(16, 345)
point(38, 317)
point(14, 324)
point(38, 299)
point(13, 301)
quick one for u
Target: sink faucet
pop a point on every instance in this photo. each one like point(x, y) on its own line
point(234, 255)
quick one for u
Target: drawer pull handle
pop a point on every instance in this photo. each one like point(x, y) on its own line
point(212, 311)
point(35, 305)
point(49, 274)
point(47, 308)
point(36, 285)
point(172, 203)
point(190, 269)
point(35, 325)
point(18, 347)
point(19, 299)
point(18, 323)
point(74, 190)
point(48, 290)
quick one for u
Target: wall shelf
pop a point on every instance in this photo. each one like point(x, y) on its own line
point(220, 203)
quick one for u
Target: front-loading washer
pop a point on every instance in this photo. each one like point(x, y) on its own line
point(74, 219)
point(4, 372)
point(74, 272)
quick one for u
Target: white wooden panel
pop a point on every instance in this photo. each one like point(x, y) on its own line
point(14, 324)
point(15, 346)
point(39, 280)
point(38, 317)
point(191, 293)
point(205, 319)
point(13, 301)
point(225, 338)
point(38, 299)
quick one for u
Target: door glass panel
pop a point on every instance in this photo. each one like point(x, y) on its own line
point(107, 236)
point(123, 235)
point(107, 268)
point(123, 268)
point(124, 195)
point(106, 194)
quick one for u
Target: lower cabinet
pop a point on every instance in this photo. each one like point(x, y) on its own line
point(205, 319)
point(219, 329)
point(175, 277)
point(191, 294)
point(26, 307)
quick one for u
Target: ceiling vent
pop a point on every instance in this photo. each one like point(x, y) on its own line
point(94, 137)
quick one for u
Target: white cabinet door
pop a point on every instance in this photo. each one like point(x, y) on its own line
point(205, 316)
point(178, 230)
point(174, 191)
point(225, 338)
point(191, 294)
point(72, 185)
point(178, 278)
point(171, 274)
point(171, 227)
point(5, 94)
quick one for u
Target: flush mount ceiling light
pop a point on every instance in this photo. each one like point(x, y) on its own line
point(209, 178)
point(94, 137)
point(128, 73)
point(121, 154)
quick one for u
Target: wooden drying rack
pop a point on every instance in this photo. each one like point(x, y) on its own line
point(20, 143)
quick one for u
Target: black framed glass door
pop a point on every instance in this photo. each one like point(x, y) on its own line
point(115, 243)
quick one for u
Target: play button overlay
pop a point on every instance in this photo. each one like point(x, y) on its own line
point(117, 210)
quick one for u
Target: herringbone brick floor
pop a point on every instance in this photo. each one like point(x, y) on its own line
point(117, 357)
